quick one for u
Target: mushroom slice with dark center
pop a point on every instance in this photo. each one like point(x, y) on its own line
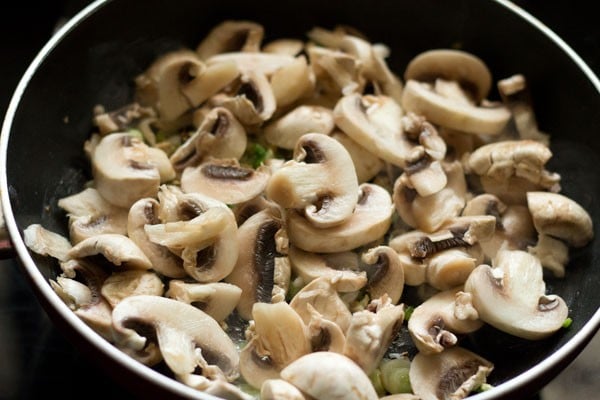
point(451, 374)
point(225, 180)
point(187, 337)
point(320, 179)
point(285, 131)
point(123, 171)
point(434, 324)
point(90, 214)
point(415, 270)
point(248, 208)
point(118, 250)
point(370, 220)
point(371, 332)
point(46, 243)
point(122, 118)
point(231, 35)
point(342, 268)
point(220, 135)
point(217, 299)
point(512, 296)
point(325, 335)
point(145, 212)
point(276, 337)
point(261, 271)
point(328, 375)
point(386, 275)
point(122, 284)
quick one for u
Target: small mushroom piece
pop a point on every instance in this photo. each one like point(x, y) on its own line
point(291, 47)
point(433, 325)
point(278, 389)
point(366, 164)
point(231, 35)
point(117, 249)
point(248, 208)
point(216, 386)
point(415, 269)
point(371, 332)
point(122, 284)
point(225, 180)
point(342, 268)
point(122, 118)
point(451, 374)
point(46, 243)
point(558, 216)
point(261, 63)
point(220, 135)
point(217, 299)
point(122, 170)
point(325, 335)
point(145, 212)
point(187, 337)
point(511, 296)
point(336, 72)
point(260, 270)
point(292, 82)
point(276, 338)
point(285, 131)
point(450, 268)
point(386, 275)
point(320, 179)
point(552, 253)
point(370, 220)
point(326, 375)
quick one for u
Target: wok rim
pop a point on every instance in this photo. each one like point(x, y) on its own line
point(556, 361)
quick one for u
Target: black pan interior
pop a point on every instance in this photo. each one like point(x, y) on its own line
point(95, 64)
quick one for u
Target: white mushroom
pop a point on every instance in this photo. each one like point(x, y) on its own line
point(46, 243)
point(117, 249)
point(292, 82)
point(366, 164)
point(231, 35)
point(122, 284)
point(278, 389)
point(217, 299)
point(386, 275)
point(285, 131)
point(336, 72)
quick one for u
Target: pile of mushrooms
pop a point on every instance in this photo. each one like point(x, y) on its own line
point(253, 217)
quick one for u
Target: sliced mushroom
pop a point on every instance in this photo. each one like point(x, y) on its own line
point(187, 337)
point(285, 131)
point(366, 164)
point(512, 296)
point(552, 253)
point(415, 269)
point(217, 386)
point(291, 47)
point(558, 216)
point(342, 268)
point(123, 171)
point(248, 208)
point(278, 389)
point(122, 118)
point(292, 82)
point(231, 35)
point(434, 324)
point(456, 373)
point(336, 72)
point(225, 180)
point(370, 220)
point(46, 243)
point(117, 249)
point(261, 63)
point(276, 338)
point(325, 335)
point(260, 271)
point(220, 135)
point(386, 275)
point(450, 268)
point(122, 284)
point(320, 179)
point(216, 299)
point(372, 331)
point(327, 375)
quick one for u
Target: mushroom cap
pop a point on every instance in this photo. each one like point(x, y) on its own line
point(326, 375)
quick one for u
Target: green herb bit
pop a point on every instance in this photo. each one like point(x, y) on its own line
point(375, 378)
point(136, 133)
point(484, 387)
point(256, 154)
point(395, 375)
point(567, 322)
point(408, 310)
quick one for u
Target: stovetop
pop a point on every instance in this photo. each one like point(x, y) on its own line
point(37, 361)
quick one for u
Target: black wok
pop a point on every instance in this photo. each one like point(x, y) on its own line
point(93, 59)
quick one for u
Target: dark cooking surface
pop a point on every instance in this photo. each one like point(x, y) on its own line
point(36, 360)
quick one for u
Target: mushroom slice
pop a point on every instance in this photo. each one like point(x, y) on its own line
point(218, 387)
point(187, 337)
point(292, 82)
point(285, 131)
point(122, 284)
point(511, 296)
point(508, 159)
point(429, 213)
point(386, 275)
point(278, 389)
point(453, 65)
point(434, 324)
point(420, 98)
point(117, 249)
point(145, 212)
point(123, 171)
point(335, 71)
point(450, 268)
point(231, 35)
point(276, 338)
point(220, 135)
point(225, 180)
point(325, 335)
point(90, 214)
point(261, 271)
point(46, 243)
point(415, 270)
point(341, 268)
point(261, 63)
point(216, 299)
point(320, 179)
point(327, 375)
point(558, 216)
point(370, 220)
point(371, 332)
point(248, 208)
point(451, 374)
point(321, 296)
point(291, 47)
point(122, 118)
point(366, 164)
point(552, 253)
